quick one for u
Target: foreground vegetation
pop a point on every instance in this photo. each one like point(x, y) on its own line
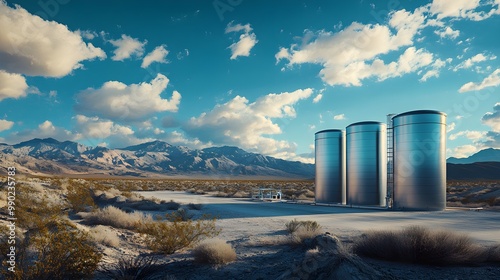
point(67, 227)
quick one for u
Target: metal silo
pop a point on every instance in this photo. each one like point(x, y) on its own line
point(420, 160)
point(330, 166)
point(366, 161)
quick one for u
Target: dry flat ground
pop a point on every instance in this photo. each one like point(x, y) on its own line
point(255, 229)
point(247, 223)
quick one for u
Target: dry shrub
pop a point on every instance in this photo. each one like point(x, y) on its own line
point(214, 251)
point(55, 250)
point(140, 267)
point(112, 216)
point(417, 244)
point(167, 237)
point(494, 254)
point(181, 214)
point(105, 236)
point(80, 197)
point(306, 226)
point(195, 206)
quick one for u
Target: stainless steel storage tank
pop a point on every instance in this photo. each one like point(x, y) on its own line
point(420, 160)
point(330, 166)
point(366, 163)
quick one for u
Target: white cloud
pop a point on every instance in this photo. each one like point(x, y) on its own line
point(157, 55)
point(5, 125)
point(97, 128)
point(434, 71)
point(476, 10)
point(44, 130)
point(126, 47)
point(246, 42)
point(469, 134)
point(249, 125)
point(32, 46)
point(455, 8)
point(450, 127)
point(468, 63)
point(12, 85)
point(448, 32)
point(464, 151)
point(492, 119)
point(118, 101)
point(317, 98)
point(339, 117)
point(351, 55)
point(238, 27)
point(492, 80)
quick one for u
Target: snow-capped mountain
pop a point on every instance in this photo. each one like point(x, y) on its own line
point(49, 156)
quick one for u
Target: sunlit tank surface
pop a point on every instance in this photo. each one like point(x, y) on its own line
point(366, 163)
point(330, 166)
point(420, 160)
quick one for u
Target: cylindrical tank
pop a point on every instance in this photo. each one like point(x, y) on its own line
point(420, 160)
point(366, 161)
point(330, 166)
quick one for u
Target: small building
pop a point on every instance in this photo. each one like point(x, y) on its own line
point(266, 194)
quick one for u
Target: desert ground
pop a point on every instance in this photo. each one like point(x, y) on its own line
point(255, 230)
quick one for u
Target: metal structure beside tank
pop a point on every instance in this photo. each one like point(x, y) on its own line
point(330, 166)
point(419, 160)
point(366, 163)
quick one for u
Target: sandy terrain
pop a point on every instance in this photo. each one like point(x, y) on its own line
point(240, 217)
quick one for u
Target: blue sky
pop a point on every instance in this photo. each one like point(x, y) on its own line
point(260, 75)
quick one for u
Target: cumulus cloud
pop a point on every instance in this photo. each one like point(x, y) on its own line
point(118, 101)
point(317, 98)
point(492, 119)
point(492, 80)
point(249, 125)
point(435, 69)
point(246, 42)
point(98, 128)
point(5, 125)
point(339, 117)
point(468, 63)
point(159, 55)
point(448, 32)
point(468, 9)
point(12, 85)
point(351, 55)
point(32, 46)
point(465, 151)
point(44, 130)
point(126, 47)
point(469, 134)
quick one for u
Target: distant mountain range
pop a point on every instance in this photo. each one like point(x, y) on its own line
point(473, 171)
point(486, 155)
point(49, 156)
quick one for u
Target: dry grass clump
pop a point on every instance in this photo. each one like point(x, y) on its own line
point(214, 251)
point(416, 244)
point(167, 237)
point(140, 267)
point(55, 250)
point(307, 226)
point(114, 217)
point(80, 197)
point(195, 206)
point(105, 236)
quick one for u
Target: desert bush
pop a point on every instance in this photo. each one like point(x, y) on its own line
point(306, 226)
point(167, 237)
point(292, 226)
point(494, 254)
point(80, 197)
point(134, 268)
point(105, 236)
point(417, 244)
point(195, 206)
point(172, 205)
point(55, 250)
point(114, 217)
point(214, 251)
point(181, 214)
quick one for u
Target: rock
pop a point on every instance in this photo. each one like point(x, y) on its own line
point(332, 260)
